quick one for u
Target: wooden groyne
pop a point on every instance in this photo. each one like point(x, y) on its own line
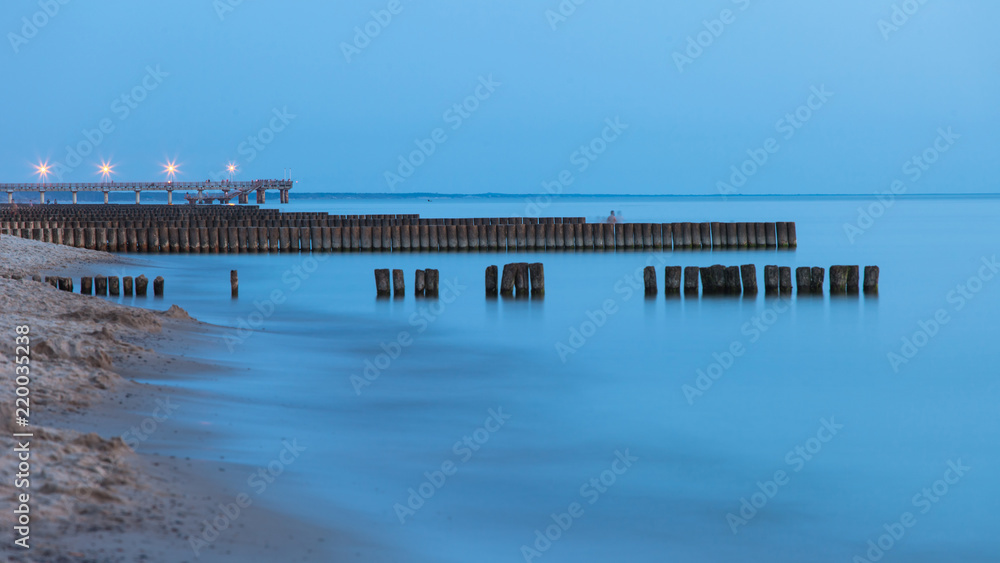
point(249, 229)
point(742, 280)
point(102, 286)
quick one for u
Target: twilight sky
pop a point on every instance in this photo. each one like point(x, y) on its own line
point(734, 96)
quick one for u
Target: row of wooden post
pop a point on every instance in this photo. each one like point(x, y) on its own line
point(492, 237)
point(106, 285)
point(742, 280)
point(426, 283)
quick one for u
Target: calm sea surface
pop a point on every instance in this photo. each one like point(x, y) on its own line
point(683, 429)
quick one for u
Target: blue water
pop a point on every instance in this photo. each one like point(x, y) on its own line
point(800, 366)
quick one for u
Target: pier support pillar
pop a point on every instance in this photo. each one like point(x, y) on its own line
point(10, 197)
point(170, 197)
point(260, 195)
point(137, 197)
point(42, 196)
point(105, 197)
point(74, 197)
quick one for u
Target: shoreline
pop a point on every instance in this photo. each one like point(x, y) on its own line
point(99, 489)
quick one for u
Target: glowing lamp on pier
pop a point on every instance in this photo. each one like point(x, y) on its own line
point(43, 170)
point(106, 169)
point(171, 170)
point(232, 168)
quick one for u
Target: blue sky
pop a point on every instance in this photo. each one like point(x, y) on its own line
point(272, 85)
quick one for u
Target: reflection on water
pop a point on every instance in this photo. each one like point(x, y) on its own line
point(632, 429)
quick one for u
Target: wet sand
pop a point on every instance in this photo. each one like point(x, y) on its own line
point(96, 494)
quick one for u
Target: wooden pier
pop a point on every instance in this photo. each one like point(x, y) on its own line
point(228, 191)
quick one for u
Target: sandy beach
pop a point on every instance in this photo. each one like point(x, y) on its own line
point(94, 494)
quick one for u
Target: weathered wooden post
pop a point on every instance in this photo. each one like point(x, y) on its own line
point(785, 274)
point(853, 279)
point(101, 285)
point(871, 279)
point(782, 233)
point(706, 236)
point(127, 286)
point(713, 279)
point(748, 274)
point(114, 288)
point(803, 280)
point(419, 283)
point(691, 275)
point(66, 284)
point(761, 236)
point(491, 281)
point(158, 286)
point(87, 286)
point(771, 280)
point(521, 287)
point(183, 241)
point(174, 238)
point(717, 241)
point(816, 277)
point(140, 286)
point(507, 280)
point(234, 282)
point(672, 280)
point(382, 282)
point(732, 280)
point(398, 283)
point(792, 239)
point(838, 280)
point(536, 272)
point(769, 237)
point(431, 279)
point(649, 280)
